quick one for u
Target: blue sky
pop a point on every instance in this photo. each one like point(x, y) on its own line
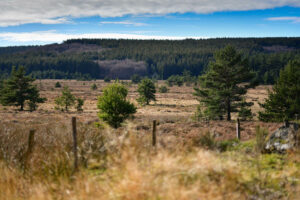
point(147, 20)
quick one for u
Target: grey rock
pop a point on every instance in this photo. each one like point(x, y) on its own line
point(283, 139)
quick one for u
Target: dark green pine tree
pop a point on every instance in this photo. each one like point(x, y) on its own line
point(18, 89)
point(34, 98)
point(283, 102)
point(146, 90)
point(224, 84)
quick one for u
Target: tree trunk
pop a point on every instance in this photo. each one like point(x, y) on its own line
point(22, 107)
point(228, 111)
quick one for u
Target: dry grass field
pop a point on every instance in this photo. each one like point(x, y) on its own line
point(192, 160)
point(174, 110)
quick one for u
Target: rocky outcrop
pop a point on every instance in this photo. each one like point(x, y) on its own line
point(283, 139)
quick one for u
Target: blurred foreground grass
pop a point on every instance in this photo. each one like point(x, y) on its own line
point(122, 164)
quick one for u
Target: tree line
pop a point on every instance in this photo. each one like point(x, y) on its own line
point(220, 90)
point(163, 58)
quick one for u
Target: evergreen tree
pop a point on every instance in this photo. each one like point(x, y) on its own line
point(113, 106)
point(146, 90)
point(106, 79)
point(245, 112)
point(283, 102)
point(34, 98)
point(79, 104)
point(57, 85)
point(66, 100)
point(135, 78)
point(163, 89)
point(220, 89)
point(18, 89)
point(94, 86)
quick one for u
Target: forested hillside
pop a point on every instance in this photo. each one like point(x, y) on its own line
point(97, 58)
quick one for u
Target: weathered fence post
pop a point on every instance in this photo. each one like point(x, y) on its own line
point(29, 149)
point(238, 129)
point(154, 133)
point(75, 143)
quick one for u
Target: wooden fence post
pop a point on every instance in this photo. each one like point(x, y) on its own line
point(29, 149)
point(75, 143)
point(238, 129)
point(154, 133)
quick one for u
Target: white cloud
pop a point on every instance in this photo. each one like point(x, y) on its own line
point(124, 23)
point(54, 37)
point(292, 19)
point(15, 12)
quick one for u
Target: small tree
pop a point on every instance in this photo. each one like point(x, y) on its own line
point(66, 100)
point(79, 104)
point(113, 106)
point(94, 86)
point(135, 79)
point(283, 102)
point(146, 90)
point(57, 85)
point(18, 89)
point(175, 80)
point(106, 79)
point(163, 89)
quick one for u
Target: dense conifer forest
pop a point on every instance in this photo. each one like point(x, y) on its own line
point(99, 58)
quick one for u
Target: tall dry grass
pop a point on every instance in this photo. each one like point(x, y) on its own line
point(122, 164)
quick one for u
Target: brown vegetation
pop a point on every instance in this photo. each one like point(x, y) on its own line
point(187, 163)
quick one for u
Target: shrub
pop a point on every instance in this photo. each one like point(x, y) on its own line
point(106, 79)
point(94, 86)
point(79, 104)
point(205, 140)
point(57, 85)
point(66, 100)
point(135, 79)
point(113, 106)
point(163, 89)
point(175, 80)
point(146, 91)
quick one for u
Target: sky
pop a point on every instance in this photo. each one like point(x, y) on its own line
point(38, 22)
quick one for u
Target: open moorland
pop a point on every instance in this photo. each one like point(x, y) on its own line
point(174, 110)
point(193, 159)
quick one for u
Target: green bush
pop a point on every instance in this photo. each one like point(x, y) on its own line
point(57, 85)
point(94, 86)
point(79, 104)
point(135, 79)
point(113, 106)
point(163, 89)
point(106, 79)
point(65, 101)
point(175, 80)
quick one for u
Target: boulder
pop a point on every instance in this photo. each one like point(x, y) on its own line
point(283, 139)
